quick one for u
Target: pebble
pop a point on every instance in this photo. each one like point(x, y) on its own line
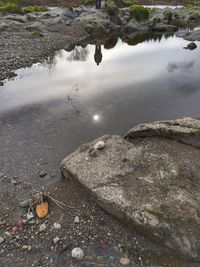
point(14, 181)
point(124, 261)
point(56, 240)
point(77, 253)
point(24, 204)
point(7, 234)
point(29, 216)
point(76, 219)
point(42, 227)
point(26, 247)
point(99, 145)
point(57, 226)
point(43, 173)
point(1, 239)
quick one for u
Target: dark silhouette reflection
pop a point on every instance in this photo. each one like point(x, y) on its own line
point(111, 42)
point(98, 55)
point(135, 39)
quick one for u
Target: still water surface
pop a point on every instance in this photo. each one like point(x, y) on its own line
point(155, 79)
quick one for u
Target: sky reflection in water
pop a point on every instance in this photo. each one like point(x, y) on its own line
point(148, 81)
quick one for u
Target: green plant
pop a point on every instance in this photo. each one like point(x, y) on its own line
point(140, 13)
point(88, 2)
point(111, 7)
point(128, 2)
point(168, 15)
point(10, 6)
point(29, 9)
point(194, 16)
point(193, 4)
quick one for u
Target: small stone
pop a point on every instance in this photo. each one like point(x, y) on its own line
point(1, 239)
point(14, 181)
point(29, 216)
point(77, 253)
point(57, 226)
point(42, 227)
point(76, 219)
point(25, 203)
point(125, 261)
point(56, 240)
point(88, 258)
point(99, 145)
point(8, 234)
point(42, 210)
point(42, 174)
point(26, 247)
point(1, 174)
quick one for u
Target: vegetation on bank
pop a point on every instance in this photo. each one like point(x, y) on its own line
point(28, 9)
point(140, 13)
point(10, 6)
point(15, 7)
point(195, 3)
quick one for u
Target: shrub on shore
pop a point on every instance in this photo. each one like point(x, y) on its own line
point(140, 13)
point(10, 6)
point(29, 9)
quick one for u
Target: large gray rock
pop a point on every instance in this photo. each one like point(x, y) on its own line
point(193, 36)
point(150, 181)
point(189, 36)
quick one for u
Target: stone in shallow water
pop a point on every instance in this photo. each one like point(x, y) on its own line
point(150, 181)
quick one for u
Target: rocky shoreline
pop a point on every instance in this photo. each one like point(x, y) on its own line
point(38, 35)
point(148, 180)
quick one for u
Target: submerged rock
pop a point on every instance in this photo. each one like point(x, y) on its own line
point(150, 181)
point(191, 46)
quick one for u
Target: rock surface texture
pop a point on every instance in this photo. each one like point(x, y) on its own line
point(150, 180)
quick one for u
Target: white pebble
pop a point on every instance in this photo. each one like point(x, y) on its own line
point(1, 239)
point(99, 145)
point(42, 227)
point(27, 247)
point(77, 253)
point(57, 226)
point(76, 219)
point(124, 261)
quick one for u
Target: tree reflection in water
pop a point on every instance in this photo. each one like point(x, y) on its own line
point(78, 54)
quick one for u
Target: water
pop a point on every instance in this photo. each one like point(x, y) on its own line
point(163, 6)
point(50, 109)
point(153, 80)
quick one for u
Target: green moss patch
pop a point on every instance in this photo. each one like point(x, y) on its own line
point(29, 9)
point(10, 6)
point(140, 13)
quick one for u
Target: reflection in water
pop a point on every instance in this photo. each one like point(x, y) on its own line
point(96, 117)
point(181, 66)
point(79, 53)
point(111, 42)
point(148, 80)
point(98, 55)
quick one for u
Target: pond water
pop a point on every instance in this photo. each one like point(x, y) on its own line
point(152, 80)
point(163, 6)
point(53, 107)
